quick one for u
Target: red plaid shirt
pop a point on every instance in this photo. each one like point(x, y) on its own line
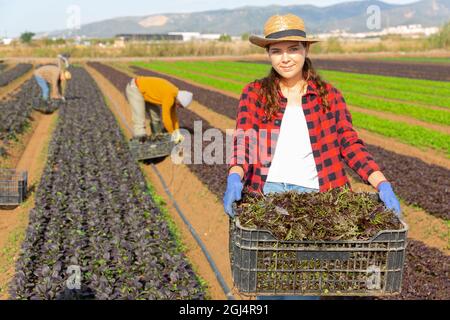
point(331, 133)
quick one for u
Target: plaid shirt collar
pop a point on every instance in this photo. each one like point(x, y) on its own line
point(311, 89)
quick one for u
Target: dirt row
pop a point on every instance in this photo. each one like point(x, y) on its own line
point(13, 223)
point(212, 177)
point(426, 71)
point(193, 198)
point(406, 173)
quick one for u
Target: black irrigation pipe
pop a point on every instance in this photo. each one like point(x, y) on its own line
point(205, 251)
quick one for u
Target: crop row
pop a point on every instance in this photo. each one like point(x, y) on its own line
point(12, 74)
point(15, 112)
point(427, 282)
point(94, 219)
point(433, 74)
point(444, 60)
point(414, 135)
point(388, 68)
point(412, 95)
point(409, 89)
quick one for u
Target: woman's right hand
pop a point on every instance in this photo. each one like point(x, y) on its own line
point(233, 193)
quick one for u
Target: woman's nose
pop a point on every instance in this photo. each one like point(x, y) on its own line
point(285, 57)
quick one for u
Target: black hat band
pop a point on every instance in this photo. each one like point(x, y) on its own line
point(286, 33)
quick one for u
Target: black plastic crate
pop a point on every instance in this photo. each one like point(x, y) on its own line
point(47, 107)
point(161, 146)
point(264, 266)
point(13, 187)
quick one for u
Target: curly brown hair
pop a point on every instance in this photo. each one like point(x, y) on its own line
point(270, 86)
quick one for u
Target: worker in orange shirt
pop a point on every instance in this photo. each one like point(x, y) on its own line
point(162, 98)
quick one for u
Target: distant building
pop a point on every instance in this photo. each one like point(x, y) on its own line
point(189, 36)
point(6, 41)
point(119, 43)
point(148, 37)
point(412, 30)
point(210, 36)
point(121, 39)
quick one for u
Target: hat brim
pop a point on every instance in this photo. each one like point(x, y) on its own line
point(264, 42)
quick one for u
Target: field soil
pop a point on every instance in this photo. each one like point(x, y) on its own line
point(16, 148)
point(211, 177)
point(201, 207)
point(13, 222)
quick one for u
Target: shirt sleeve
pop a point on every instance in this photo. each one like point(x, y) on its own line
point(55, 88)
point(174, 117)
point(242, 146)
point(167, 115)
point(352, 148)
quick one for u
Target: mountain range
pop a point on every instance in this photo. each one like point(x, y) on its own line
point(349, 16)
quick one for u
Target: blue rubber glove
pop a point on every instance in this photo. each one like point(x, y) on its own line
point(233, 193)
point(387, 195)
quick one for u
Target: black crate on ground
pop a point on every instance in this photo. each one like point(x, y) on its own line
point(13, 187)
point(46, 108)
point(264, 266)
point(160, 146)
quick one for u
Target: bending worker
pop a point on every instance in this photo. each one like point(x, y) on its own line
point(54, 76)
point(162, 98)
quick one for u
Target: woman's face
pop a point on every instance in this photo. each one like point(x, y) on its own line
point(288, 58)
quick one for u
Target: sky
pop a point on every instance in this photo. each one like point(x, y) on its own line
point(17, 16)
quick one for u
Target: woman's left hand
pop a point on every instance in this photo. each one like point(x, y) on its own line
point(387, 195)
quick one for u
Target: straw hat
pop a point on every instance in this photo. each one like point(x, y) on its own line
point(282, 28)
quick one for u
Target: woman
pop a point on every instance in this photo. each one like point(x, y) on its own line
point(294, 130)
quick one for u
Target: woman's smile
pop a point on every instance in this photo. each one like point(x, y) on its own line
point(287, 69)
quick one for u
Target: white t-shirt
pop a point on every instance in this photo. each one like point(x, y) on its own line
point(293, 161)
